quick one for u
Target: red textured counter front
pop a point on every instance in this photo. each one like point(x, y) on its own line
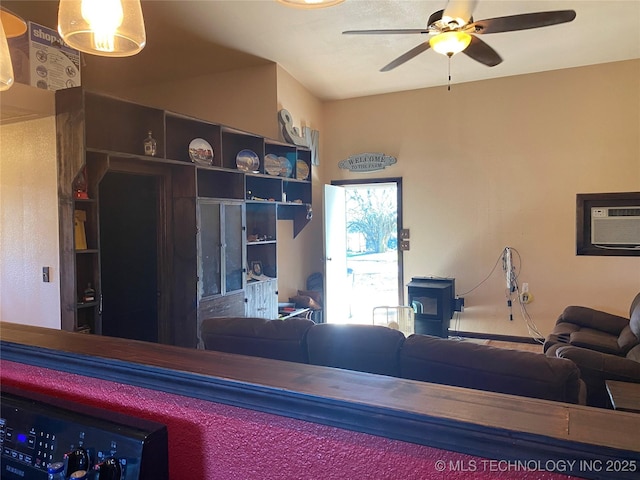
point(213, 441)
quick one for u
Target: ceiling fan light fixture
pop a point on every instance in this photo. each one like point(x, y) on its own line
point(309, 4)
point(450, 43)
point(108, 28)
point(453, 22)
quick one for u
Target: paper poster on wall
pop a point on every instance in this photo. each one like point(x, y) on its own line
point(42, 59)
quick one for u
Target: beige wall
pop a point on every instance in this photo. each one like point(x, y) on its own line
point(29, 223)
point(299, 257)
point(244, 99)
point(499, 163)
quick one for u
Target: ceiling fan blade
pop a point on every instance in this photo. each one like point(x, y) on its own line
point(481, 52)
point(460, 9)
point(401, 31)
point(522, 22)
point(407, 56)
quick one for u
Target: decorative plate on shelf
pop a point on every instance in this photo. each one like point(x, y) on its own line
point(272, 164)
point(302, 170)
point(248, 161)
point(285, 167)
point(200, 152)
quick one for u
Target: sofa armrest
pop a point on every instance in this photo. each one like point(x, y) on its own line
point(596, 319)
point(601, 365)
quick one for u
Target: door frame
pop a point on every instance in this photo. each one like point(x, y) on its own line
point(398, 182)
point(163, 238)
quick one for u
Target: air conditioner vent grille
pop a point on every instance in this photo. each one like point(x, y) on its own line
point(615, 226)
point(624, 212)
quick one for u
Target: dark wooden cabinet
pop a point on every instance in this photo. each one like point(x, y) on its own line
point(199, 273)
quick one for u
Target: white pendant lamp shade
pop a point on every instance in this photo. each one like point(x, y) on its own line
point(109, 28)
point(6, 68)
point(310, 3)
point(10, 26)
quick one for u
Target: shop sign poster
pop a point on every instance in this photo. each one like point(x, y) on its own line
point(44, 60)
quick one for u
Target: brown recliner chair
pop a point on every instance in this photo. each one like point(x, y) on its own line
point(594, 329)
point(603, 356)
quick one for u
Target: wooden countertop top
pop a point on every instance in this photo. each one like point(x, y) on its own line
point(453, 418)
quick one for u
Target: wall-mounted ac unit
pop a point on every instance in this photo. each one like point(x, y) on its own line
point(615, 226)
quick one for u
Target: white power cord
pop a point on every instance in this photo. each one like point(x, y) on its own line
point(513, 289)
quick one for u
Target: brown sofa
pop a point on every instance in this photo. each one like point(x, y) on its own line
point(384, 351)
point(609, 348)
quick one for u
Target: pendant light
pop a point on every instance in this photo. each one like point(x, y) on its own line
point(309, 4)
point(10, 26)
point(109, 28)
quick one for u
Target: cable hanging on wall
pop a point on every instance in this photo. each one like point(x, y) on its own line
point(513, 292)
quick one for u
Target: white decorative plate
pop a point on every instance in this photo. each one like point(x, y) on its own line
point(272, 164)
point(200, 152)
point(248, 161)
point(285, 167)
point(302, 170)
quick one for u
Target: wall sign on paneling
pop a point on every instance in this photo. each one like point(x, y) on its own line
point(367, 162)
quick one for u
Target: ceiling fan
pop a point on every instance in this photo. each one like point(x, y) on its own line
point(453, 30)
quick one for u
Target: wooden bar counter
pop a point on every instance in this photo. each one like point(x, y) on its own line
point(473, 422)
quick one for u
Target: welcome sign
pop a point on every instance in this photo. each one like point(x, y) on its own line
point(367, 162)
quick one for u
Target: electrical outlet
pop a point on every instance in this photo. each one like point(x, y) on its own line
point(526, 297)
point(404, 245)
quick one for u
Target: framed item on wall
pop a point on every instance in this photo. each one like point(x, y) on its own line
point(608, 224)
point(256, 267)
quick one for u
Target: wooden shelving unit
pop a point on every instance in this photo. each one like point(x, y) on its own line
point(199, 205)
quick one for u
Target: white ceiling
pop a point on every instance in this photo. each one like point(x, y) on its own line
point(184, 38)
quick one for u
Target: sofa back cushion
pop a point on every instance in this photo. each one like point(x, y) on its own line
point(471, 365)
point(258, 337)
point(594, 319)
point(366, 348)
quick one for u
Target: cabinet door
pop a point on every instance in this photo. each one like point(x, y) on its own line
point(221, 242)
point(262, 299)
point(233, 247)
point(210, 245)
